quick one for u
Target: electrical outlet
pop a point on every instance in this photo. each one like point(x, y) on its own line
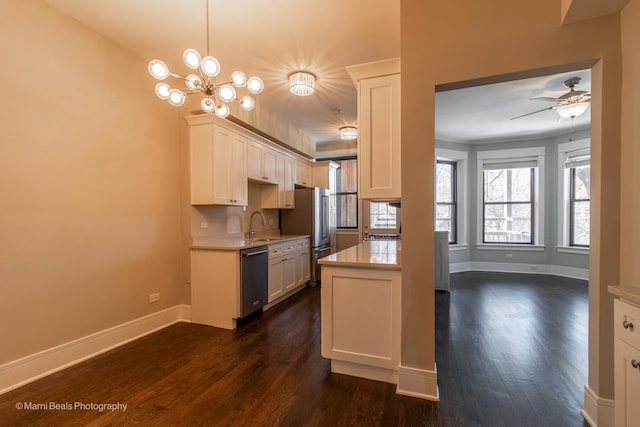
point(154, 297)
point(509, 256)
point(204, 224)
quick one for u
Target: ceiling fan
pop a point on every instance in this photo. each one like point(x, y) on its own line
point(568, 105)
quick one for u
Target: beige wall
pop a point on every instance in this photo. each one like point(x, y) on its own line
point(443, 42)
point(89, 184)
point(630, 180)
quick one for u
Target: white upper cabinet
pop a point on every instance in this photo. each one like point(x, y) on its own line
point(304, 176)
point(282, 195)
point(218, 166)
point(261, 163)
point(378, 129)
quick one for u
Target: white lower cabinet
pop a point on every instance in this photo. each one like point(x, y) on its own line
point(288, 267)
point(627, 363)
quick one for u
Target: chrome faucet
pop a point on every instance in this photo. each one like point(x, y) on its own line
point(252, 232)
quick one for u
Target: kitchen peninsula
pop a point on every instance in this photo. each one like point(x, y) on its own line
point(361, 310)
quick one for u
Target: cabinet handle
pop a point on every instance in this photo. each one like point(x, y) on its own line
point(627, 325)
point(635, 364)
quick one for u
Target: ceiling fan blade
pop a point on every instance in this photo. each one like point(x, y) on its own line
point(544, 98)
point(533, 112)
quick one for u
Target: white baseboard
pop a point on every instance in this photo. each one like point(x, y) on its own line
point(420, 383)
point(35, 366)
point(598, 412)
point(503, 267)
point(364, 371)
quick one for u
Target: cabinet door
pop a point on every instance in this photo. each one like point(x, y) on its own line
point(269, 163)
point(237, 174)
point(223, 155)
point(303, 174)
point(379, 141)
point(288, 185)
point(302, 266)
point(289, 272)
point(255, 162)
point(627, 383)
point(276, 288)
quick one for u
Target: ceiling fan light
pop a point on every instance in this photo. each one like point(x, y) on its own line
point(302, 83)
point(348, 133)
point(210, 66)
point(255, 85)
point(158, 69)
point(570, 111)
point(191, 58)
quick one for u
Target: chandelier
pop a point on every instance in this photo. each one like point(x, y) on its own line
point(216, 96)
point(348, 133)
point(302, 83)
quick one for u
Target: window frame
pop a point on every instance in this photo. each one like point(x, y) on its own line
point(507, 156)
point(337, 195)
point(462, 191)
point(531, 202)
point(572, 201)
point(564, 210)
point(453, 235)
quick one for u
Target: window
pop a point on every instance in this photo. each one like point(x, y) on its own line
point(508, 205)
point(347, 194)
point(574, 196)
point(579, 205)
point(511, 197)
point(446, 203)
point(382, 216)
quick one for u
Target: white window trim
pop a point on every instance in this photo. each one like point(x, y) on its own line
point(539, 198)
point(563, 195)
point(462, 215)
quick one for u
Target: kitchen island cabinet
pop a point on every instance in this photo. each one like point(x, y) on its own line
point(361, 310)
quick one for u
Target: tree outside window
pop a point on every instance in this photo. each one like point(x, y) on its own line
point(508, 205)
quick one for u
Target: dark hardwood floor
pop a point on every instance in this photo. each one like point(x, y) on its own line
point(511, 350)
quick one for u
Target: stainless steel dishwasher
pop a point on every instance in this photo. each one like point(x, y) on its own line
point(254, 279)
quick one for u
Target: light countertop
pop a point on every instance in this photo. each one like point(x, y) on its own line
point(630, 293)
point(378, 254)
point(232, 243)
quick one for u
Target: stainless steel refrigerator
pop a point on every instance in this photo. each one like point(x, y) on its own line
point(311, 216)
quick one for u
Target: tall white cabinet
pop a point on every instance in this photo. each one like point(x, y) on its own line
point(379, 153)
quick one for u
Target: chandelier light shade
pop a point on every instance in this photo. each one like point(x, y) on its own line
point(572, 110)
point(215, 95)
point(348, 133)
point(302, 83)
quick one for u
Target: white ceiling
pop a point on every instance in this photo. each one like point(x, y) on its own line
point(273, 38)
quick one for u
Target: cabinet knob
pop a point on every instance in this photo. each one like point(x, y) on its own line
point(627, 325)
point(635, 364)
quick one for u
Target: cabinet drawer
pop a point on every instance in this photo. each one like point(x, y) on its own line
point(302, 244)
point(626, 323)
point(276, 250)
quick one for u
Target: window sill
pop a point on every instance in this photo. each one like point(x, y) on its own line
point(572, 250)
point(507, 247)
point(458, 247)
